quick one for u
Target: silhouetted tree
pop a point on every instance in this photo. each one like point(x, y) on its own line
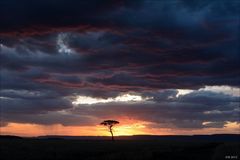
point(110, 124)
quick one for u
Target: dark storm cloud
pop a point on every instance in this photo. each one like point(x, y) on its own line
point(27, 17)
point(51, 51)
point(22, 105)
point(162, 110)
point(52, 118)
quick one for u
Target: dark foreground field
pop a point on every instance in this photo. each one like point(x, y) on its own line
point(158, 149)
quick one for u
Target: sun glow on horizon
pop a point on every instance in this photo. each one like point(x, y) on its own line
point(124, 129)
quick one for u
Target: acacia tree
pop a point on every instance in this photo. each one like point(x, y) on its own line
point(110, 124)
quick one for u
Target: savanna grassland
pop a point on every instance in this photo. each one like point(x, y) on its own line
point(72, 149)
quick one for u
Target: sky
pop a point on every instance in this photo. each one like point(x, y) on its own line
point(158, 67)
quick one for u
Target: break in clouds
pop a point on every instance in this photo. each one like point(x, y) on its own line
point(171, 63)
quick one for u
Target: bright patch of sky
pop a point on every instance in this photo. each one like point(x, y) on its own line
point(120, 98)
point(233, 91)
point(62, 44)
point(183, 92)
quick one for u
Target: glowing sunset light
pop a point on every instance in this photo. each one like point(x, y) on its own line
point(135, 128)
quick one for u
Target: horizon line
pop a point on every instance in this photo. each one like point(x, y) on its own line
point(119, 135)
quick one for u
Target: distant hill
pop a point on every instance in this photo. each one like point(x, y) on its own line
point(215, 137)
point(9, 137)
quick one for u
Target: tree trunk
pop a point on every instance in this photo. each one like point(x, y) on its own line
point(112, 135)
